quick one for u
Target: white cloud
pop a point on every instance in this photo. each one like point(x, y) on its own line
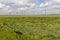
point(18, 7)
point(53, 7)
point(22, 8)
point(29, 7)
point(1, 5)
point(44, 4)
point(58, 1)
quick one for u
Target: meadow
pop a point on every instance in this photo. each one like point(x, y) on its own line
point(29, 28)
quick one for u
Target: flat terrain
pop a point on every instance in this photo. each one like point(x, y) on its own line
point(29, 27)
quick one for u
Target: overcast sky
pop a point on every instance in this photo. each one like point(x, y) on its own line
point(29, 7)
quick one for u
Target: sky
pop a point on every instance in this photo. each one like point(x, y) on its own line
point(29, 7)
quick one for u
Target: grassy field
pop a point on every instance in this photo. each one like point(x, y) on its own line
point(29, 28)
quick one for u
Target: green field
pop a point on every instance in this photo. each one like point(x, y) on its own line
point(29, 28)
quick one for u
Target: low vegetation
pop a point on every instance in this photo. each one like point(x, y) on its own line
point(29, 28)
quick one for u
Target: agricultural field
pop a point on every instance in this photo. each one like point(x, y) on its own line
point(29, 28)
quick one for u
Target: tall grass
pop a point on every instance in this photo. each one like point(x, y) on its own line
point(32, 28)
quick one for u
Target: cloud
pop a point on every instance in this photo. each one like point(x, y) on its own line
point(53, 7)
point(44, 4)
point(1, 5)
point(18, 6)
point(29, 7)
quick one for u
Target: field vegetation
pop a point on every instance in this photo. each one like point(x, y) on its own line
point(29, 28)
